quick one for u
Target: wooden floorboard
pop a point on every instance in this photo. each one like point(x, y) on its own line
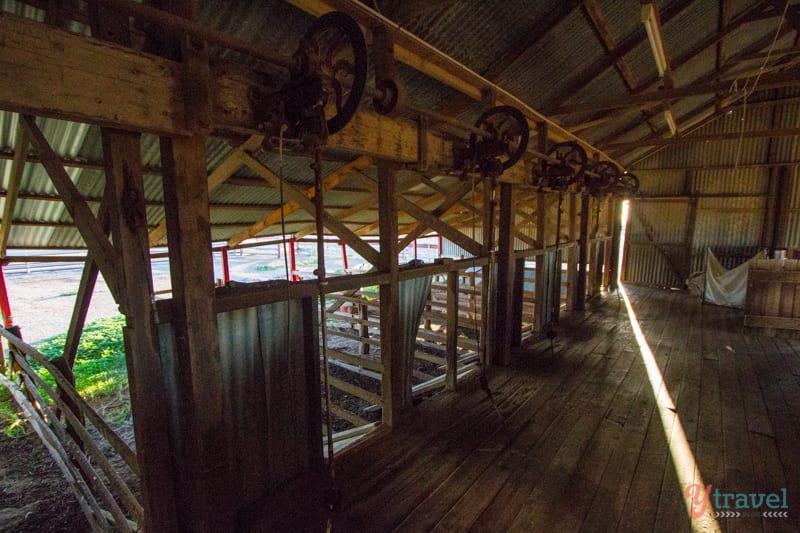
point(586, 440)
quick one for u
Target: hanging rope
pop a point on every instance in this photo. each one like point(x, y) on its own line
point(331, 495)
point(483, 378)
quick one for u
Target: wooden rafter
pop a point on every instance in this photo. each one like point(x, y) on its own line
point(331, 223)
point(774, 81)
point(411, 9)
point(705, 112)
point(724, 21)
point(273, 217)
point(752, 15)
point(452, 198)
point(595, 14)
point(14, 182)
point(89, 227)
point(786, 132)
point(218, 176)
point(350, 211)
point(607, 61)
point(86, 286)
point(370, 185)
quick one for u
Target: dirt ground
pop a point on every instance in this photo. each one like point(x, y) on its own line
point(34, 497)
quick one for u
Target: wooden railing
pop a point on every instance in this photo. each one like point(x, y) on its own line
point(106, 495)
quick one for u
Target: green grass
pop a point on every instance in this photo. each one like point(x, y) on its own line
point(100, 370)
point(12, 424)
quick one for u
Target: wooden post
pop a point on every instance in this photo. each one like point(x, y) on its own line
point(207, 502)
point(393, 365)
point(616, 230)
point(12, 190)
point(147, 388)
point(572, 254)
point(364, 328)
point(518, 292)
point(451, 330)
point(583, 244)
point(607, 253)
point(540, 290)
point(125, 184)
point(504, 308)
point(688, 240)
point(488, 296)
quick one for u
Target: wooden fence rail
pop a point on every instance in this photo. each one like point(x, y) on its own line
point(76, 459)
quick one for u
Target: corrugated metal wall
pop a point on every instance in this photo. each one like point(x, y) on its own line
point(731, 213)
point(271, 380)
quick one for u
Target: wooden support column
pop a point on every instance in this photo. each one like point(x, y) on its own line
point(125, 202)
point(540, 290)
point(88, 280)
point(518, 292)
point(572, 254)
point(147, 389)
point(583, 244)
point(207, 499)
point(364, 327)
point(504, 307)
point(393, 365)
point(598, 252)
point(688, 239)
point(14, 181)
point(784, 191)
point(451, 330)
point(93, 235)
point(607, 252)
point(488, 295)
point(616, 230)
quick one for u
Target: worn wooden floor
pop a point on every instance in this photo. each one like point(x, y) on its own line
point(582, 444)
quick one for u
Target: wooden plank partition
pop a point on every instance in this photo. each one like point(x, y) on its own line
point(773, 297)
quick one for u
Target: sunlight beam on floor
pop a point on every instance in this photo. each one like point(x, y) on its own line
point(695, 493)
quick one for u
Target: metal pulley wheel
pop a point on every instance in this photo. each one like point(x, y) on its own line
point(571, 164)
point(388, 103)
point(504, 138)
point(334, 49)
point(605, 176)
point(627, 184)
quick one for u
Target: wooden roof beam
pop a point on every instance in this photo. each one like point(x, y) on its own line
point(596, 18)
point(138, 92)
point(608, 61)
point(692, 119)
point(766, 82)
point(14, 182)
point(273, 217)
point(786, 132)
point(90, 228)
point(224, 170)
point(331, 223)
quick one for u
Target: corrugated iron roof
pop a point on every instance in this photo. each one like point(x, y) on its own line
point(479, 34)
